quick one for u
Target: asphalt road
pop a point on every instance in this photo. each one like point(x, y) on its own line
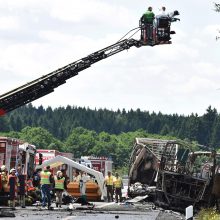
point(101, 211)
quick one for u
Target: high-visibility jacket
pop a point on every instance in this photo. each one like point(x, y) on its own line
point(45, 177)
point(118, 182)
point(59, 183)
point(109, 180)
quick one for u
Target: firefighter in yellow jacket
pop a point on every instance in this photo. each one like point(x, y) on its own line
point(109, 186)
point(118, 186)
point(59, 187)
point(45, 182)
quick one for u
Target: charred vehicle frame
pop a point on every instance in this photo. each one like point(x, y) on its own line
point(180, 176)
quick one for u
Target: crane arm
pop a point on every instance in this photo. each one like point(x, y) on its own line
point(47, 83)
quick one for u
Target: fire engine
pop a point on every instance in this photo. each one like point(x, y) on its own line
point(45, 154)
point(101, 164)
point(8, 151)
point(14, 153)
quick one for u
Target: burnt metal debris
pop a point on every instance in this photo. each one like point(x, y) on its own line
point(180, 176)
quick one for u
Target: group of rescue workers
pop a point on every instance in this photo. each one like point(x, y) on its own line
point(114, 185)
point(148, 19)
point(157, 26)
point(16, 186)
point(44, 183)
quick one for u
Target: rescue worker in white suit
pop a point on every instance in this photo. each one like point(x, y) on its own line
point(82, 186)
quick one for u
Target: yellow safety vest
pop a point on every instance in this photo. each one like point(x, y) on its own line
point(109, 180)
point(45, 177)
point(59, 184)
point(118, 182)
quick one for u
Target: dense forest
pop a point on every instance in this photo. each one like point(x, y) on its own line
point(83, 142)
point(102, 132)
point(61, 121)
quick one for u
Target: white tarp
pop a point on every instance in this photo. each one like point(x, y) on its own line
point(59, 160)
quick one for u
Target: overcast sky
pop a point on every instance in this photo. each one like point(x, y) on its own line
point(39, 36)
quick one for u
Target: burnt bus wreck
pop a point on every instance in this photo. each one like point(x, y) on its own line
point(143, 166)
point(175, 175)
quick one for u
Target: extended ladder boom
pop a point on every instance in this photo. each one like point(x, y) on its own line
point(46, 84)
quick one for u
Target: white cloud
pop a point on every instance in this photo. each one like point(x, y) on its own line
point(23, 4)
point(45, 35)
point(94, 11)
point(211, 30)
point(9, 22)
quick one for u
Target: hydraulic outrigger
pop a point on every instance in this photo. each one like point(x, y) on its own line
point(47, 83)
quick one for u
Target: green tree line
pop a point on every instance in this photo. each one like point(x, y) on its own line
point(60, 122)
point(83, 142)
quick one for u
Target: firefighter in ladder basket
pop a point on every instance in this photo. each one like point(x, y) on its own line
point(147, 20)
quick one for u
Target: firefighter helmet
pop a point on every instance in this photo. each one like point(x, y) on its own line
point(3, 167)
point(12, 170)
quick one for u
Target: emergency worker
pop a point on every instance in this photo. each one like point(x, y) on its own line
point(76, 176)
point(161, 15)
point(12, 183)
point(36, 178)
point(59, 187)
point(82, 186)
point(148, 20)
point(32, 191)
point(45, 182)
point(4, 178)
point(67, 179)
point(118, 186)
point(30, 185)
point(148, 16)
point(109, 186)
point(21, 186)
point(163, 11)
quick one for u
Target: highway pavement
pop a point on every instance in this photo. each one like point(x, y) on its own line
point(101, 211)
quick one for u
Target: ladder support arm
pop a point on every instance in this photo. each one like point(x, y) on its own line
point(47, 83)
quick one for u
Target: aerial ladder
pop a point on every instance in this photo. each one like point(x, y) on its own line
point(47, 83)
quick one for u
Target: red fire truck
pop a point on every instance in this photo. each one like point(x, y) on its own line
point(9, 148)
point(14, 152)
point(101, 164)
point(44, 155)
